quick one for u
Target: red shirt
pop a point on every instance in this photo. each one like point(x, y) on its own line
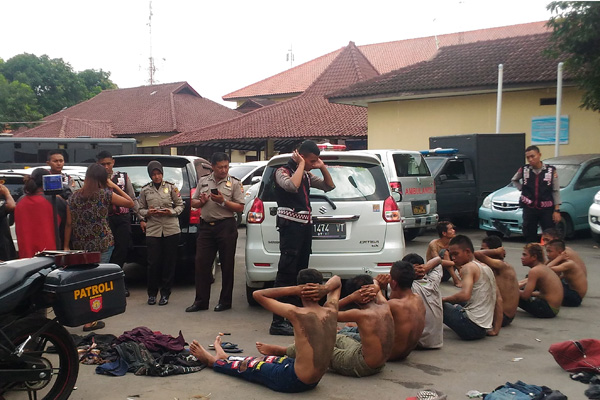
point(34, 225)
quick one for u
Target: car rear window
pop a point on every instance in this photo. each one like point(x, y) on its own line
point(410, 165)
point(139, 176)
point(353, 182)
point(14, 185)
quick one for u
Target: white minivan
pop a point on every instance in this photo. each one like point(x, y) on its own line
point(356, 226)
point(409, 176)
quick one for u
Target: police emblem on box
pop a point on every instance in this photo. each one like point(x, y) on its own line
point(96, 304)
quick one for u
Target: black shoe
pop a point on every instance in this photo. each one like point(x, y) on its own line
point(281, 328)
point(196, 307)
point(151, 300)
point(222, 307)
point(164, 300)
point(126, 292)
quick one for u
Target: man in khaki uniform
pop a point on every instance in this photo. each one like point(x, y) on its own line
point(219, 195)
point(160, 204)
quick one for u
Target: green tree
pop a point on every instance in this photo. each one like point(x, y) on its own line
point(576, 36)
point(53, 81)
point(96, 81)
point(17, 104)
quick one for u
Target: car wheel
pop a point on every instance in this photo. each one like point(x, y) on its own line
point(494, 233)
point(411, 234)
point(565, 227)
point(249, 297)
point(596, 237)
point(238, 218)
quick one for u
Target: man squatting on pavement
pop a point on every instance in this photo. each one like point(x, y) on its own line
point(573, 276)
point(294, 222)
point(375, 323)
point(492, 254)
point(478, 291)
point(541, 292)
point(314, 337)
point(427, 281)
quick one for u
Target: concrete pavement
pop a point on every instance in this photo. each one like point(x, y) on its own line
point(519, 352)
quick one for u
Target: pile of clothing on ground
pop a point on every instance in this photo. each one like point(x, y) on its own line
point(140, 350)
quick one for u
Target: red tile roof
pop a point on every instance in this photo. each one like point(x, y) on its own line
point(70, 128)
point(385, 57)
point(165, 108)
point(308, 115)
point(463, 68)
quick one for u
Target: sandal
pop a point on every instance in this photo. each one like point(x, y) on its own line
point(236, 350)
point(225, 346)
point(95, 325)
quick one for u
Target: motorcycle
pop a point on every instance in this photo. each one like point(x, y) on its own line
point(37, 354)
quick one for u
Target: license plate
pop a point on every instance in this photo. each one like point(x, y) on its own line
point(329, 231)
point(418, 210)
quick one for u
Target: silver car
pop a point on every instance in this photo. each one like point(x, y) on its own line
point(357, 227)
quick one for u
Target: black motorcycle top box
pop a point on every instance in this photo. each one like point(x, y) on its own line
point(86, 293)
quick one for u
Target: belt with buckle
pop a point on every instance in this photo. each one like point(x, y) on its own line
point(213, 223)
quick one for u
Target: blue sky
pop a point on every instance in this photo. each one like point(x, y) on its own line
point(222, 46)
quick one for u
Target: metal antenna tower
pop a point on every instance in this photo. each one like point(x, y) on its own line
point(151, 66)
point(290, 56)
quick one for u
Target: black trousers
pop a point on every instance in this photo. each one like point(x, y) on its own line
point(220, 237)
point(534, 216)
point(162, 260)
point(295, 245)
point(120, 225)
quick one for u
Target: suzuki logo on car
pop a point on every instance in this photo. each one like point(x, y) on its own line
point(322, 209)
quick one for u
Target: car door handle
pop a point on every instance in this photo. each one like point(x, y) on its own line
point(332, 219)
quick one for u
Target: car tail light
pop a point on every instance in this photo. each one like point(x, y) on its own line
point(390, 210)
point(256, 215)
point(384, 264)
point(194, 212)
point(396, 187)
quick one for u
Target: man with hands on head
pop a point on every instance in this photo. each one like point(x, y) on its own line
point(308, 358)
point(479, 293)
point(293, 182)
point(493, 254)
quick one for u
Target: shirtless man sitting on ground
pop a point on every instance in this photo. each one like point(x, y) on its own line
point(407, 308)
point(542, 293)
point(552, 234)
point(375, 323)
point(439, 247)
point(573, 277)
point(492, 254)
point(314, 335)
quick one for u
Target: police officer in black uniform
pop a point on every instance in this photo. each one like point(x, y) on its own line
point(219, 195)
point(294, 221)
point(540, 194)
point(119, 219)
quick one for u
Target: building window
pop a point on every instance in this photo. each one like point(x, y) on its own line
point(549, 101)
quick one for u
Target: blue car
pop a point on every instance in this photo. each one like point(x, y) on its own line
point(579, 177)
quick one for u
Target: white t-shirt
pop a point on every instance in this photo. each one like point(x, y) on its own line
point(429, 289)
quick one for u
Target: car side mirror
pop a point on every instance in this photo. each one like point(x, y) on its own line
point(255, 179)
point(397, 197)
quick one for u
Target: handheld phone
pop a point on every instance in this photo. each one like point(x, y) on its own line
point(214, 191)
